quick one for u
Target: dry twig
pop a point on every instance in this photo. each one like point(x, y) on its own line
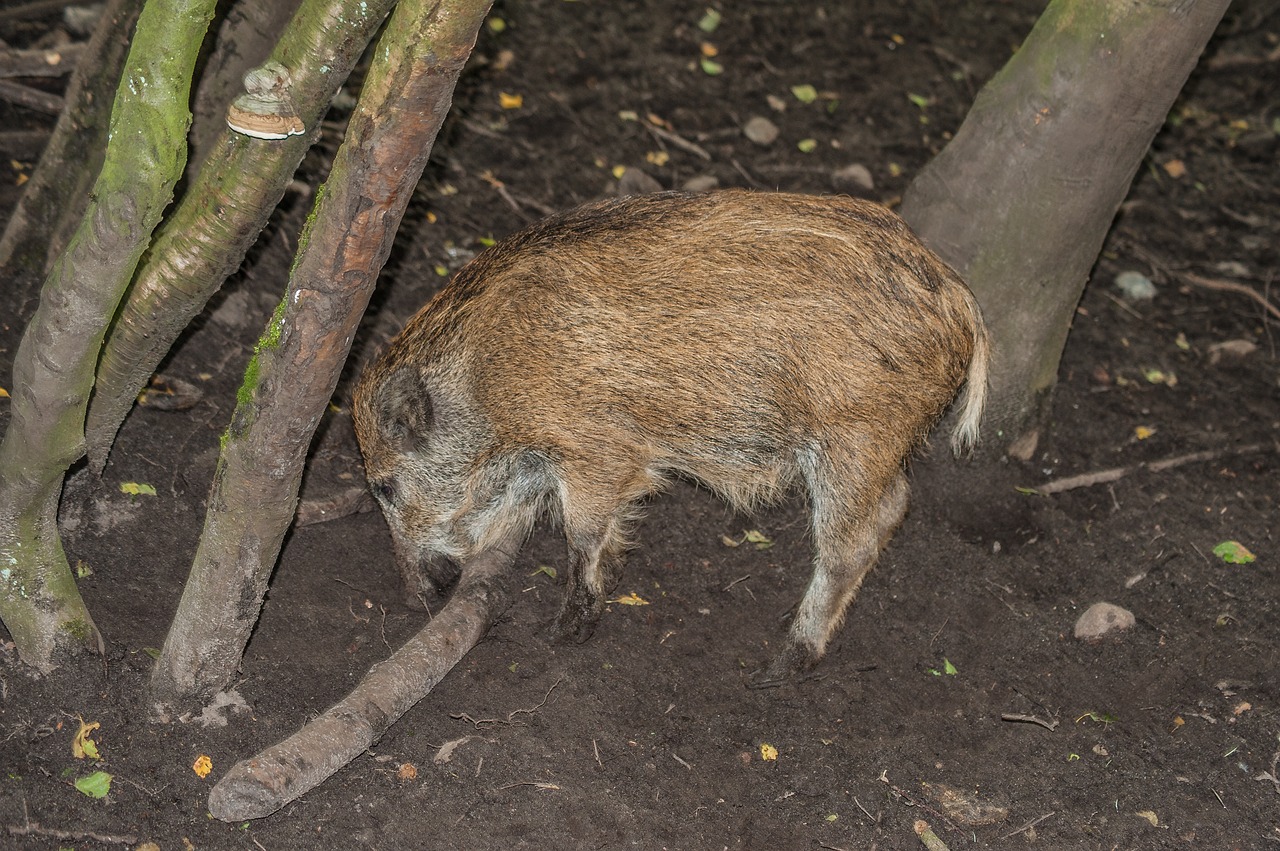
point(1232, 287)
point(1099, 477)
point(1029, 719)
point(342, 504)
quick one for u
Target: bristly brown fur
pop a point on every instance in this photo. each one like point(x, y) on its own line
point(751, 341)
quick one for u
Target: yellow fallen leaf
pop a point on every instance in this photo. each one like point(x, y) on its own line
point(768, 752)
point(1143, 432)
point(619, 170)
point(509, 101)
point(1149, 816)
point(137, 489)
point(632, 599)
point(658, 158)
point(82, 746)
point(202, 766)
point(4, 394)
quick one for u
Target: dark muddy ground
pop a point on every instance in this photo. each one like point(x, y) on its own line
point(646, 736)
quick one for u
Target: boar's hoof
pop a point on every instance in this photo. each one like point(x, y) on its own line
point(575, 623)
point(791, 661)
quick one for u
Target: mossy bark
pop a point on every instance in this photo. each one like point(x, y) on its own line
point(54, 366)
point(207, 236)
point(1022, 198)
point(300, 356)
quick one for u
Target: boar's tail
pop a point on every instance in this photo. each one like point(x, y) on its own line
point(965, 435)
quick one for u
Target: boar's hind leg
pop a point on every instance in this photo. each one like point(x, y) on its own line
point(595, 561)
point(852, 521)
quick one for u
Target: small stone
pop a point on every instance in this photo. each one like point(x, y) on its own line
point(1231, 350)
point(1102, 618)
point(1135, 286)
point(636, 182)
point(760, 130)
point(701, 183)
point(855, 176)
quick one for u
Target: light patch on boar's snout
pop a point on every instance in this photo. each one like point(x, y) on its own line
point(750, 341)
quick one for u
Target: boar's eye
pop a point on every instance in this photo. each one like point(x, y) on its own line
point(385, 491)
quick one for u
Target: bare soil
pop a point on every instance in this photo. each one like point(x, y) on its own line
point(1164, 736)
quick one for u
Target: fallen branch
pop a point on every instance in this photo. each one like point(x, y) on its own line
point(262, 784)
point(1027, 826)
point(1029, 719)
point(28, 11)
point(49, 62)
point(31, 98)
point(1232, 287)
point(1099, 477)
point(928, 838)
point(23, 144)
point(342, 504)
point(34, 828)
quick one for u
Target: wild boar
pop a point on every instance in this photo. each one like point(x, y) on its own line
point(749, 341)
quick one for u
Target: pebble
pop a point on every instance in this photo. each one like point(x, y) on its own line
point(701, 183)
point(636, 182)
point(1102, 618)
point(855, 176)
point(1135, 286)
point(760, 130)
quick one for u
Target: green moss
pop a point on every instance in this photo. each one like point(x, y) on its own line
point(304, 239)
point(269, 340)
point(77, 629)
point(244, 396)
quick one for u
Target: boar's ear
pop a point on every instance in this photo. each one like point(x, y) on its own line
point(404, 408)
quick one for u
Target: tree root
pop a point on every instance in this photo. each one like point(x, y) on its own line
point(262, 784)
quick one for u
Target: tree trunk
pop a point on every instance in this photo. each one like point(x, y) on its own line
point(207, 236)
point(1022, 198)
point(300, 356)
point(53, 369)
point(54, 198)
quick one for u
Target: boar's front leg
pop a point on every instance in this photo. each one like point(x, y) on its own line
point(855, 512)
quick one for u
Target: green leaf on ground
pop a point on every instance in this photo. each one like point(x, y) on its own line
point(95, 785)
point(805, 93)
point(1233, 552)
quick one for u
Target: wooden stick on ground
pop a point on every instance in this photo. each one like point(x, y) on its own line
point(262, 784)
point(1099, 477)
point(354, 500)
